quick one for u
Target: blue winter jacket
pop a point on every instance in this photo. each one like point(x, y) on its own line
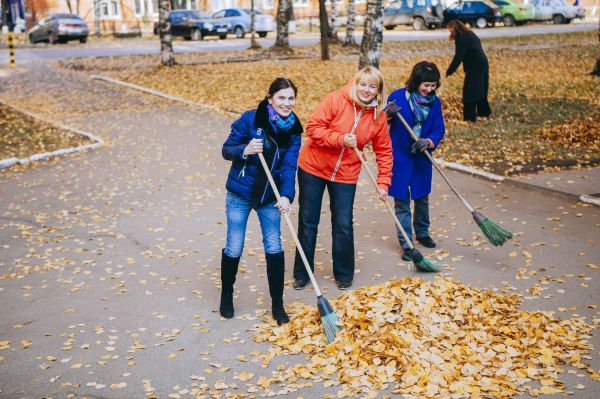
point(413, 170)
point(246, 177)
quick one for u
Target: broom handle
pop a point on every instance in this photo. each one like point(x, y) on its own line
point(291, 227)
point(414, 136)
point(388, 206)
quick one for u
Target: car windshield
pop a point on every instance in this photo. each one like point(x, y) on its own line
point(199, 15)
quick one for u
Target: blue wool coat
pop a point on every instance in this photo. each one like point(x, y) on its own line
point(246, 176)
point(413, 170)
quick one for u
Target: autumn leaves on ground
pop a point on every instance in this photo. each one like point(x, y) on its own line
point(546, 107)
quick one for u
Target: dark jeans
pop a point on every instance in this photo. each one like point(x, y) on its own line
point(341, 198)
point(472, 110)
point(420, 220)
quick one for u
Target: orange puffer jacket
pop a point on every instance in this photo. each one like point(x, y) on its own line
point(324, 154)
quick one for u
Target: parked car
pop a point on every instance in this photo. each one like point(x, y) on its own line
point(475, 13)
point(557, 11)
point(417, 13)
point(514, 12)
point(194, 25)
point(59, 28)
point(239, 21)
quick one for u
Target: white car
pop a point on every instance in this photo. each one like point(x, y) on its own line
point(557, 11)
point(239, 20)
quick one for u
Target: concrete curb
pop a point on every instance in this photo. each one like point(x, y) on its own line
point(8, 162)
point(450, 165)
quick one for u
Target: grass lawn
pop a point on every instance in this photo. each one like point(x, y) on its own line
point(545, 104)
point(22, 136)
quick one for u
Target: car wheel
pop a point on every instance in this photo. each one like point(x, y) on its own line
point(509, 20)
point(239, 32)
point(568, 21)
point(83, 40)
point(196, 35)
point(262, 34)
point(418, 23)
point(481, 23)
point(389, 27)
point(222, 37)
point(558, 19)
point(31, 39)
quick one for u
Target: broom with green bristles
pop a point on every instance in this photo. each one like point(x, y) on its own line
point(329, 319)
point(494, 233)
point(421, 263)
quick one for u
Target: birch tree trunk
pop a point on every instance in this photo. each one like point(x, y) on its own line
point(350, 40)
point(285, 10)
point(97, 18)
point(324, 30)
point(164, 30)
point(333, 33)
point(596, 71)
point(370, 47)
point(253, 42)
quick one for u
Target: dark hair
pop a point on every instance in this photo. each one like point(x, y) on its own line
point(280, 84)
point(424, 71)
point(457, 28)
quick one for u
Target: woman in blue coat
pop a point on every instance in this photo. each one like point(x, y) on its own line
point(274, 130)
point(411, 173)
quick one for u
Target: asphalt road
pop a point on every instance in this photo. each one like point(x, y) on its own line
point(104, 48)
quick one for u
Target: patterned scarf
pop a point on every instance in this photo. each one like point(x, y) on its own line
point(420, 106)
point(280, 123)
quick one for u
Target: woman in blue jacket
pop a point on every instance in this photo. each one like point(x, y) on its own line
point(275, 130)
point(411, 173)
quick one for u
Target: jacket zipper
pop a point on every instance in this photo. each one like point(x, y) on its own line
point(339, 161)
point(271, 168)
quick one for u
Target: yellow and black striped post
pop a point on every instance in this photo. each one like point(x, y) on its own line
point(11, 49)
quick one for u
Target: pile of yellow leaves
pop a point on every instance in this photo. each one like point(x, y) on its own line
point(431, 339)
point(576, 131)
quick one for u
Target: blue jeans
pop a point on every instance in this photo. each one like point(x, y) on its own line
point(341, 198)
point(420, 220)
point(238, 210)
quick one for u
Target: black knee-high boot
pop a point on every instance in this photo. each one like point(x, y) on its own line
point(229, 268)
point(275, 273)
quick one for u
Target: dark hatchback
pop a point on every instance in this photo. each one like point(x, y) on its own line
point(59, 28)
point(195, 25)
point(475, 13)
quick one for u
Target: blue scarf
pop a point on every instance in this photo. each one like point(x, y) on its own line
point(280, 123)
point(420, 106)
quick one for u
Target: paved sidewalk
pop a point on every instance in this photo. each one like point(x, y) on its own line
point(109, 260)
point(570, 182)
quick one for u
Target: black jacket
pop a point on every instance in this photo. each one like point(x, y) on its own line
point(475, 65)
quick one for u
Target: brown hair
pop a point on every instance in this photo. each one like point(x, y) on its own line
point(423, 72)
point(457, 28)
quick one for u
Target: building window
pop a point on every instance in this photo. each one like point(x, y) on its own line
point(301, 3)
point(110, 9)
point(268, 4)
point(146, 8)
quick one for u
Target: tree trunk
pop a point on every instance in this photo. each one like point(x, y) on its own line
point(69, 6)
point(97, 17)
point(324, 30)
point(370, 47)
point(350, 40)
point(164, 30)
point(253, 43)
point(333, 33)
point(285, 11)
point(596, 71)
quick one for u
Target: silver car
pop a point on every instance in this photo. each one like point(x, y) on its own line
point(239, 21)
point(59, 28)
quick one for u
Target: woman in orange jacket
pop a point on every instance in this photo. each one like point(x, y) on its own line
point(347, 118)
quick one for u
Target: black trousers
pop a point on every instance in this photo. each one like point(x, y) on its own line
point(471, 110)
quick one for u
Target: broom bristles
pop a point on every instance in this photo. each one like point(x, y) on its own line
point(329, 319)
point(493, 232)
point(423, 264)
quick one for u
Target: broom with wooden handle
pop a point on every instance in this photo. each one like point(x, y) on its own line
point(421, 263)
point(493, 232)
point(329, 318)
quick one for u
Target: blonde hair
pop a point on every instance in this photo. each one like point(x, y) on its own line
point(369, 74)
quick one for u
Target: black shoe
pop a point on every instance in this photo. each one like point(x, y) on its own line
point(343, 285)
point(300, 284)
point(426, 241)
point(229, 269)
point(406, 255)
point(280, 315)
